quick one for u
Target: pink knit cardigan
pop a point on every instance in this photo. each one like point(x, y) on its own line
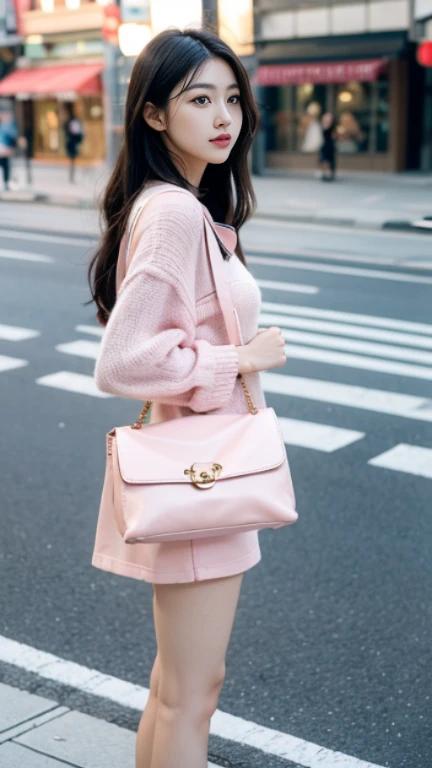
point(165, 339)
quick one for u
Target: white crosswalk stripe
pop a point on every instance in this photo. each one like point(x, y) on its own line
point(24, 256)
point(343, 329)
point(81, 348)
point(72, 382)
point(16, 333)
point(319, 437)
point(412, 459)
point(350, 396)
point(9, 363)
point(347, 317)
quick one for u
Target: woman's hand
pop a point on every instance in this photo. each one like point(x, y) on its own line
point(266, 350)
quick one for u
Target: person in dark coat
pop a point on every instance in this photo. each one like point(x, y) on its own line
point(74, 134)
point(327, 154)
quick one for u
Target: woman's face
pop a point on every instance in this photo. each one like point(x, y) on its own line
point(209, 107)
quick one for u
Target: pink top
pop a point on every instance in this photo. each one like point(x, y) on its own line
point(165, 339)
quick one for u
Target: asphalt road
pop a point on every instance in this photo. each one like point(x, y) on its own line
point(331, 641)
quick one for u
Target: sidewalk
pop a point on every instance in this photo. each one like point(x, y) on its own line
point(39, 733)
point(364, 200)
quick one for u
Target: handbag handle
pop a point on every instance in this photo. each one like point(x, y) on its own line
point(223, 292)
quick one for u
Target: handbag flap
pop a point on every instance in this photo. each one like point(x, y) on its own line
point(242, 443)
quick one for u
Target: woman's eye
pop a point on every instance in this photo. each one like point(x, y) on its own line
point(201, 103)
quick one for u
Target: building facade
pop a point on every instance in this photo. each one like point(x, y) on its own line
point(353, 58)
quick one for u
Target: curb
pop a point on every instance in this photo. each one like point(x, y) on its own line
point(66, 201)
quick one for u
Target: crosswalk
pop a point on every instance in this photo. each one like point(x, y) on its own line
point(389, 346)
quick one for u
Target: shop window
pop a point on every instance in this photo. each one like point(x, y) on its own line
point(353, 117)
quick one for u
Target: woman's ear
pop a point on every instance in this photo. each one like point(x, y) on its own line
point(154, 117)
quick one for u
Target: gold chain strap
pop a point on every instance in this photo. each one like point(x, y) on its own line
point(251, 407)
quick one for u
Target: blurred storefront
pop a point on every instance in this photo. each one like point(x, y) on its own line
point(312, 61)
point(60, 67)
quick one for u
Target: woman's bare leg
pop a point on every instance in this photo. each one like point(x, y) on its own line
point(144, 742)
point(193, 625)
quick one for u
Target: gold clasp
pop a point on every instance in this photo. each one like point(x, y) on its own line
point(199, 474)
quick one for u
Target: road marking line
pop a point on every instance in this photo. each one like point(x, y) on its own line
point(372, 199)
point(292, 287)
point(376, 274)
point(376, 400)
point(59, 239)
point(378, 322)
point(406, 458)
point(319, 437)
point(245, 732)
point(352, 345)
point(96, 330)
point(15, 333)
point(341, 329)
point(362, 362)
point(317, 225)
point(9, 363)
point(81, 348)
point(25, 256)
point(72, 382)
point(317, 253)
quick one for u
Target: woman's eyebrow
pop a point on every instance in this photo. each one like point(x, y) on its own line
point(209, 85)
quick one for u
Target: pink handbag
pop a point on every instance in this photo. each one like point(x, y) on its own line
point(203, 474)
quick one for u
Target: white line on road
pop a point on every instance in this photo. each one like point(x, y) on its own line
point(45, 238)
point(375, 274)
point(318, 253)
point(376, 400)
point(291, 287)
point(96, 330)
point(406, 458)
point(25, 256)
point(15, 333)
point(362, 362)
point(340, 329)
point(81, 348)
point(245, 732)
point(347, 317)
point(261, 220)
point(72, 382)
point(319, 437)
point(372, 199)
point(9, 363)
point(362, 347)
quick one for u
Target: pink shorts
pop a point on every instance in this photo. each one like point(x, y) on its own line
point(174, 561)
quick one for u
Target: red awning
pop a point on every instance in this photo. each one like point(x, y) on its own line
point(319, 72)
point(49, 81)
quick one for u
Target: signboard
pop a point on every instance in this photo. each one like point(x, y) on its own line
point(135, 10)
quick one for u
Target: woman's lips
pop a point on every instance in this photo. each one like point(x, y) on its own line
point(221, 142)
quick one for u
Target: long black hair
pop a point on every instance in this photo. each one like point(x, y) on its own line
point(225, 189)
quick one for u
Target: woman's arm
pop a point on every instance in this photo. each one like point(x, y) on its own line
point(149, 350)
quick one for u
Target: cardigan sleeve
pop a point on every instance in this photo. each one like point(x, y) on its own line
point(149, 350)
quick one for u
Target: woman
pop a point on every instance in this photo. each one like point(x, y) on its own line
point(166, 341)
point(327, 155)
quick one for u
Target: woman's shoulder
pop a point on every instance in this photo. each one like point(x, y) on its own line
point(172, 204)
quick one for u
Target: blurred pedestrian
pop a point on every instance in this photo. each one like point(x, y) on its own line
point(74, 134)
point(8, 143)
point(327, 153)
